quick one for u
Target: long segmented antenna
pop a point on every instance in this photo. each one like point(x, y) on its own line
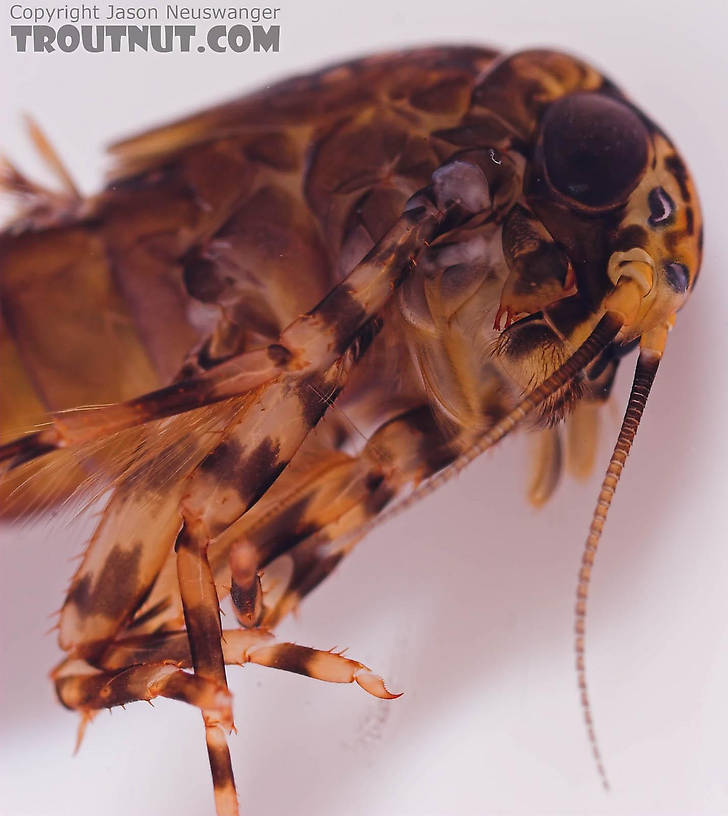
point(644, 376)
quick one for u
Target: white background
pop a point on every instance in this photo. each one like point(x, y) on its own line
point(465, 603)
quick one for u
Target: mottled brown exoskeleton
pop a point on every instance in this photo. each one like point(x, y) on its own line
point(443, 244)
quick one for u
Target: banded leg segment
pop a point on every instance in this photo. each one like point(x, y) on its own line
point(311, 495)
point(306, 347)
point(301, 530)
point(165, 652)
point(82, 687)
point(202, 619)
point(144, 667)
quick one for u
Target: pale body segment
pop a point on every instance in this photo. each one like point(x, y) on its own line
point(342, 289)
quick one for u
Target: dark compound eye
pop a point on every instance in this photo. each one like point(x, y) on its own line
point(595, 149)
point(677, 277)
point(661, 207)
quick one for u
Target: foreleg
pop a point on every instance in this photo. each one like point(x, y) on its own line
point(309, 345)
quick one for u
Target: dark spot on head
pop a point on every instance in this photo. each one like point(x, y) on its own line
point(673, 238)
point(677, 276)
point(677, 167)
point(689, 221)
point(630, 237)
point(662, 207)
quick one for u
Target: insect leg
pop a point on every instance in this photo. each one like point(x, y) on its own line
point(582, 436)
point(582, 425)
point(577, 449)
point(540, 270)
point(546, 465)
point(249, 456)
point(258, 447)
point(305, 526)
point(310, 344)
point(135, 534)
point(246, 589)
point(82, 687)
point(202, 619)
point(335, 502)
point(241, 646)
